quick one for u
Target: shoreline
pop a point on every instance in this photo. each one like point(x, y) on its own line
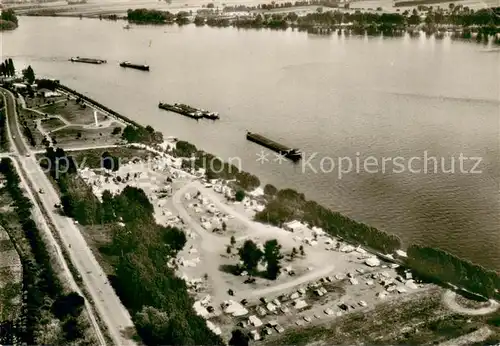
point(417, 248)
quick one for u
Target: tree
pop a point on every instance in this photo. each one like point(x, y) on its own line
point(151, 324)
point(233, 240)
point(174, 238)
point(110, 162)
point(224, 226)
point(12, 70)
point(250, 255)
point(108, 213)
point(239, 338)
point(294, 253)
point(70, 304)
point(228, 249)
point(29, 75)
point(116, 130)
point(302, 252)
point(240, 195)
point(270, 190)
point(273, 256)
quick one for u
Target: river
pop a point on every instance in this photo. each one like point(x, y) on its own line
point(333, 97)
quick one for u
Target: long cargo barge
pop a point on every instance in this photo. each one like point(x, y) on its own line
point(289, 153)
point(88, 60)
point(136, 66)
point(189, 111)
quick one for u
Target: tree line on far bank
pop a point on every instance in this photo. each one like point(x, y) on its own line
point(8, 20)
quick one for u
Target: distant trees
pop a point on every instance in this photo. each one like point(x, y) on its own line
point(47, 84)
point(436, 264)
point(8, 19)
point(29, 75)
point(143, 15)
point(290, 205)
point(139, 134)
point(7, 68)
point(250, 255)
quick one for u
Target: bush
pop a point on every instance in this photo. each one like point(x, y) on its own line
point(70, 304)
point(240, 195)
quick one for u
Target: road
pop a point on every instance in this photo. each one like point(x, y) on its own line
point(111, 311)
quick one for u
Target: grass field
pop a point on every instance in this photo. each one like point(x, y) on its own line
point(73, 112)
point(77, 135)
point(52, 124)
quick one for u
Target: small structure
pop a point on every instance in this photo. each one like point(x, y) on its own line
point(255, 335)
point(372, 262)
point(353, 281)
point(216, 330)
point(319, 293)
point(347, 248)
point(271, 307)
point(411, 284)
point(47, 93)
point(299, 304)
point(401, 254)
point(235, 309)
point(293, 226)
point(254, 321)
point(279, 328)
point(200, 309)
point(284, 309)
point(328, 312)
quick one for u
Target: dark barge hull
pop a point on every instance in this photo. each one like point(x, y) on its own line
point(88, 60)
point(289, 153)
point(135, 66)
point(180, 110)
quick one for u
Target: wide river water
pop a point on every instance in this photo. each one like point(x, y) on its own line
point(333, 97)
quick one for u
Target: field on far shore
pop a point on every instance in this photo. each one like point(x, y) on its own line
point(94, 8)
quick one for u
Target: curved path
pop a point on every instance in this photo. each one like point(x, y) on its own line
point(449, 299)
point(212, 245)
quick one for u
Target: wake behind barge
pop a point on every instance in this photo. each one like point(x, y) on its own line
point(289, 153)
point(88, 60)
point(189, 111)
point(136, 66)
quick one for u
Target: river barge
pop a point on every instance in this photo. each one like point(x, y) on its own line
point(136, 66)
point(87, 60)
point(289, 153)
point(189, 111)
